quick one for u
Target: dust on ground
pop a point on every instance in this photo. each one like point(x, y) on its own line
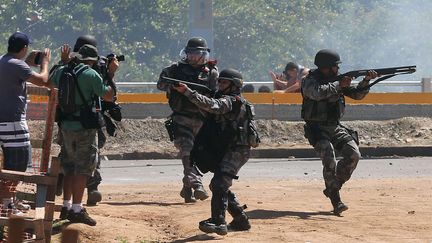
point(380, 210)
point(149, 135)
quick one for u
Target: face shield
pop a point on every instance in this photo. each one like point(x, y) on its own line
point(195, 56)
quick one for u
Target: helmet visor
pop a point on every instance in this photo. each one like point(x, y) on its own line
point(195, 56)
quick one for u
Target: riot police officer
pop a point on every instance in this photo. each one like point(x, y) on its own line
point(186, 118)
point(323, 107)
point(233, 115)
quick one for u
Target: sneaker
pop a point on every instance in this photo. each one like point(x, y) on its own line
point(210, 226)
point(22, 206)
point(200, 193)
point(11, 210)
point(186, 193)
point(240, 223)
point(64, 213)
point(81, 217)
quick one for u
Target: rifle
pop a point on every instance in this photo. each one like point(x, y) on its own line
point(387, 72)
point(198, 87)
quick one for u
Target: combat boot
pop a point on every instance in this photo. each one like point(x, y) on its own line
point(240, 223)
point(213, 226)
point(200, 193)
point(334, 196)
point(93, 196)
point(186, 193)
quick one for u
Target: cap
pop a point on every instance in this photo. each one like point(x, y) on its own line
point(87, 53)
point(291, 65)
point(18, 40)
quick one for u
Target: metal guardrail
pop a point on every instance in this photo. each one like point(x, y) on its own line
point(385, 86)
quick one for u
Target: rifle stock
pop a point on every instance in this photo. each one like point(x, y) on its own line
point(198, 87)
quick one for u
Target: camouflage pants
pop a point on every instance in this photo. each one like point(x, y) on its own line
point(222, 197)
point(337, 138)
point(186, 130)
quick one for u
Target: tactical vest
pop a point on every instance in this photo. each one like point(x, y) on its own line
point(328, 110)
point(240, 122)
point(207, 75)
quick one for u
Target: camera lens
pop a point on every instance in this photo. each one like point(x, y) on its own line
point(121, 58)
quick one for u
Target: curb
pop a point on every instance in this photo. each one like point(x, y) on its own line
point(305, 152)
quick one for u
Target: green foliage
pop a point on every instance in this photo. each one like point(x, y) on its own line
point(250, 35)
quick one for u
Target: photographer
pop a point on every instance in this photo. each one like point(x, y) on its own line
point(106, 68)
point(79, 150)
point(14, 134)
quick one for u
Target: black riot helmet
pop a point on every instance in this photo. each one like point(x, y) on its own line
point(84, 39)
point(232, 75)
point(327, 58)
point(197, 43)
point(196, 51)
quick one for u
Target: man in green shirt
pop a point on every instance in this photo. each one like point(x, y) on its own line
point(79, 149)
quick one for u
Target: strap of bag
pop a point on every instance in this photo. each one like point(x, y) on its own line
point(81, 70)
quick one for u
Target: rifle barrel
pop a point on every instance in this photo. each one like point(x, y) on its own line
point(187, 83)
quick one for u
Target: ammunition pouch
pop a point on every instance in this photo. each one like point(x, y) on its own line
point(353, 134)
point(321, 111)
point(171, 128)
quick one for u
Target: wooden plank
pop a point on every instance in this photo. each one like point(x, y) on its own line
point(70, 235)
point(54, 172)
point(27, 177)
point(15, 229)
point(49, 125)
point(41, 193)
point(29, 223)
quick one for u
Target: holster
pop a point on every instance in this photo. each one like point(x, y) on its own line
point(354, 135)
point(171, 128)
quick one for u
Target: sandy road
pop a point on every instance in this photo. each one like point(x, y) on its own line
point(390, 200)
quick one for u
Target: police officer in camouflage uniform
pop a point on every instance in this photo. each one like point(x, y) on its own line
point(193, 67)
point(323, 107)
point(230, 113)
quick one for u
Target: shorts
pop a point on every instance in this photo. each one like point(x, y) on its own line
point(15, 143)
point(79, 152)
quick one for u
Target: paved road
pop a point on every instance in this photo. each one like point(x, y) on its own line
point(153, 171)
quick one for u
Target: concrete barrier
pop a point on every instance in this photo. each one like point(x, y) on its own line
point(292, 112)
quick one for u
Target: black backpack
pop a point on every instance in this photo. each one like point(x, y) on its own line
point(66, 89)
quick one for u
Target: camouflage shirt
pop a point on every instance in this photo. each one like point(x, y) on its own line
point(324, 101)
point(205, 75)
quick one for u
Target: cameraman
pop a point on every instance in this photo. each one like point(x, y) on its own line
point(79, 149)
point(106, 68)
point(14, 134)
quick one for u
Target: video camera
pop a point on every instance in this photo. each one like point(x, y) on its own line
point(120, 58)
point(103, 62)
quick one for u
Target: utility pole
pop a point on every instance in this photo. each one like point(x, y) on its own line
point(201, 20)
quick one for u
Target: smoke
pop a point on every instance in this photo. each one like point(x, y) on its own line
point(377, 34)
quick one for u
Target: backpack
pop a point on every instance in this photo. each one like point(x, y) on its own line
point(66, 89)
point(247, 128)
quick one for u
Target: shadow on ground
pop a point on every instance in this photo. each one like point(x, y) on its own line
point(272, 214)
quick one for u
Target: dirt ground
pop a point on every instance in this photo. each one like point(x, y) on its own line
point(381, 210)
